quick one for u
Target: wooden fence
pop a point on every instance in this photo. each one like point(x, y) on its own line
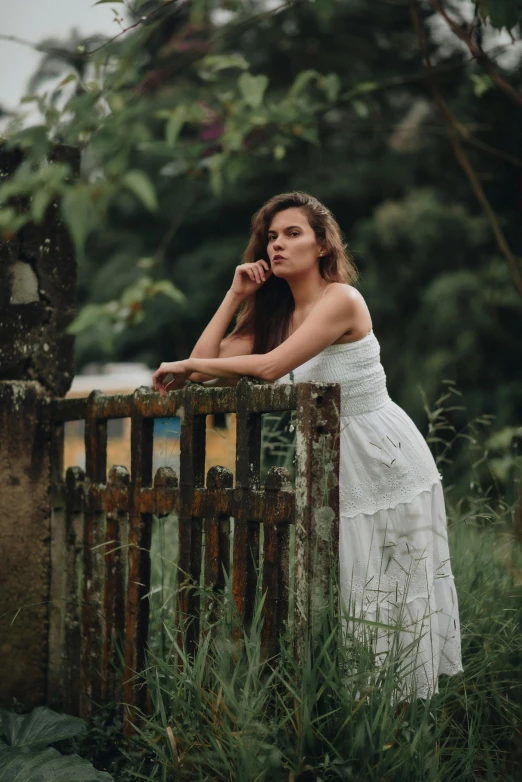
point(101, 529)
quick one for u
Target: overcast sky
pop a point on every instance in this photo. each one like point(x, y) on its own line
point(34, 20)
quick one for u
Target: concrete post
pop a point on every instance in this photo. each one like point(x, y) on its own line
point(37, 302)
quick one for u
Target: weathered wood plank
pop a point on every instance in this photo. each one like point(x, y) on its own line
point(275, 557)
point(192, 477)
point(116, 504)
point(138, 558)
point(217, 527)
point(245, 565)
point(317, 503)
point(166, 492)
point(93, 560)
point(245, 568)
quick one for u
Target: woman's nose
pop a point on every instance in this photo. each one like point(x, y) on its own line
point(277, 244)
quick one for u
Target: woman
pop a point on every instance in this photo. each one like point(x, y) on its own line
point(300, 319)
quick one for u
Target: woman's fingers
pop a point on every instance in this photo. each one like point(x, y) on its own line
point(158, 379)
point(257, 272)
point(159, 385)
point(264, 269)
point(252, 274)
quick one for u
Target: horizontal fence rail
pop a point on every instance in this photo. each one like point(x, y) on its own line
point(101, 529)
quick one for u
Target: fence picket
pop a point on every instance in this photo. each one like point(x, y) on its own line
point(116, 508)
point(138, 558)
point(93, 558)
point(275, 558)
point(317, 504)
point(74, 485)
point(217, 530)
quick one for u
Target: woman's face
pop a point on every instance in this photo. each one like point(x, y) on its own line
point(292, 245)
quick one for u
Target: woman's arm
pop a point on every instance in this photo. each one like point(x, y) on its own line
point(230, 346)
point(211, 343)
point(248, 278)
point(335, 314)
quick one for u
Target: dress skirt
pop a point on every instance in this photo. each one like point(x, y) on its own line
point(395, 567)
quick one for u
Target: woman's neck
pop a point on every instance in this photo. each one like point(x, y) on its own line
point(305, 291)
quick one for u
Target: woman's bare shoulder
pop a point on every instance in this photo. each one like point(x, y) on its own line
point(353, 304)
point(343, 287)
point(342, 291)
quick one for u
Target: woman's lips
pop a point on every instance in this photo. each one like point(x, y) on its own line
point(277, 259)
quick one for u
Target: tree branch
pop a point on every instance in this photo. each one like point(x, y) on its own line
point(36, 46)
point(60, 52)
point(140, 21)
point(478, 53)
point(461, 156)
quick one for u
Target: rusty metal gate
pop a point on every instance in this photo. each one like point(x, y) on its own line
point(101, 529)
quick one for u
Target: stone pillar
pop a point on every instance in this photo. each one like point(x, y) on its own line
point(37, 302)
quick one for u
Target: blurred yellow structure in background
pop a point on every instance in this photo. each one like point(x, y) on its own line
point(124, 379)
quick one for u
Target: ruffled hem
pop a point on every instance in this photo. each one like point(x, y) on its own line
point(385, 461)
point(387, 502)
point(395, 554)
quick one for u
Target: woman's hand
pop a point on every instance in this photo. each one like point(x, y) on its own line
point(249, 277)
point(180, 375)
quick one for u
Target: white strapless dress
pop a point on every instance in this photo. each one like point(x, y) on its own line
point(393, 544)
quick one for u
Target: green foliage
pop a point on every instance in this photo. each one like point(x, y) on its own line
point(186, 129)
point(501, 13)
point(120, 135)
point(129, 309)
point(140, 144)
point(26, 757)
point(139, 183)
point(79, 215)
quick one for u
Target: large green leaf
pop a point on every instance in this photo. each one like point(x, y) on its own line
point(79, 215)
point(253, 88)
point(167, 288)
point(140, 184)
point(210, 66)
point(502, 13)
point(90, 316)
point(23, 765)
point(39, 203)
point(174, 125)
point(40, 727)
point(302, 81)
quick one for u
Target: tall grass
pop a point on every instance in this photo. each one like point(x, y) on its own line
point(225, 714)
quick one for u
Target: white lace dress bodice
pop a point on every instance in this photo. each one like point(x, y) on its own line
point(393, 545)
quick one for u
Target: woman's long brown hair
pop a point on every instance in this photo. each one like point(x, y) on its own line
point(266, 314)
